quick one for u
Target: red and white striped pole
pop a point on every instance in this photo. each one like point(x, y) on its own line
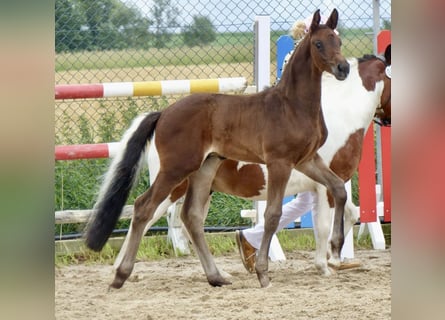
point(86, 151)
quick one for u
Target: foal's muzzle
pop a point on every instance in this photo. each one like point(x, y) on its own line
point(342, 70)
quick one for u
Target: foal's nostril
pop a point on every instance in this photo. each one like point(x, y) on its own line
point(343, 67)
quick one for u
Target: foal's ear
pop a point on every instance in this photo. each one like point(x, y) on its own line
point(315, 20)
point(333, 19)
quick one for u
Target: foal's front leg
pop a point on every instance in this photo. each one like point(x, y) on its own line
point(278, 175)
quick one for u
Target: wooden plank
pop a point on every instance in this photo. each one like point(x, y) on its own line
point(82, 216)
point(367, 180)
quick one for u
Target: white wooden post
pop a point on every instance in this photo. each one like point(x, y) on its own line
point(262, 81)
point(262, 52)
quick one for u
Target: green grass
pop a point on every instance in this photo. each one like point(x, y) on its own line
point(227, 48)
point(291, 241)
point(305, 240)
point(83, 255)
point(225, 210)
point(151, 248)
point(221, 244)
point(157, 247)
point(153, 57)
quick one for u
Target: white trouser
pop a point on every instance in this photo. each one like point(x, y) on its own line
point(303, 203)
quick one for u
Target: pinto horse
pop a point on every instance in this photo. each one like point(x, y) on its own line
point(349, 107)
point(281, 127)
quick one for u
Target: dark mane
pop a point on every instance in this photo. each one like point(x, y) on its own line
point(367, 57)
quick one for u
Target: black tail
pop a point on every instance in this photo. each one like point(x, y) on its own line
point(118, 182)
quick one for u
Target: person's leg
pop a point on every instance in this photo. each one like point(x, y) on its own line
point(291, 211)
point(249, 240)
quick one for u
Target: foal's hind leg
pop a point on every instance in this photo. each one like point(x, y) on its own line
point(317, 170)
point(156, 216)
point(144, 209)
point(193, 215)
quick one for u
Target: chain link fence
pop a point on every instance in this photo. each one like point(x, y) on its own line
point(142, 40)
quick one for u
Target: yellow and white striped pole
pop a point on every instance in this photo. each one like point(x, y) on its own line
point(148, 88)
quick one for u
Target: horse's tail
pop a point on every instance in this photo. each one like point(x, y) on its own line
point(119, 180)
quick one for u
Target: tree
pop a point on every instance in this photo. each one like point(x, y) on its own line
point(200, 32)
point(131, 26)
point(164, 17)
point(68, 26)
point(386, 24)
point(103, 32)
point(98, 25)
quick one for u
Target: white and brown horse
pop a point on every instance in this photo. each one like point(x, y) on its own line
point(281, 127)
point(349, 107)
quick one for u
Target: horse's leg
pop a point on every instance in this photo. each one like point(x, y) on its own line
point(156, 216)
point(322, 219)
point(351, 217)
point(317, 170)
point(153, 163)
point(194, 213)
point(203, 218)
point(144, 209)
point(278, 175)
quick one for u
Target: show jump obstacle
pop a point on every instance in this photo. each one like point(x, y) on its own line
point(133, 89)
point(148, 88)
point(108, 150)
point(371, 206)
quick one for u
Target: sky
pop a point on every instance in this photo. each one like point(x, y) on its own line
point(238, 15)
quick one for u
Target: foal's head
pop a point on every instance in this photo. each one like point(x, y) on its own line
point(325, 46)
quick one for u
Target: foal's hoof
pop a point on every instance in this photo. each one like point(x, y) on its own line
point(219, 282)
point(119, 280)
point(111, 287)
point(116, 284)
point(264, 280)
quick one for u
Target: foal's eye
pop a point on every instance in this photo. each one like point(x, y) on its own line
point(318, 44)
